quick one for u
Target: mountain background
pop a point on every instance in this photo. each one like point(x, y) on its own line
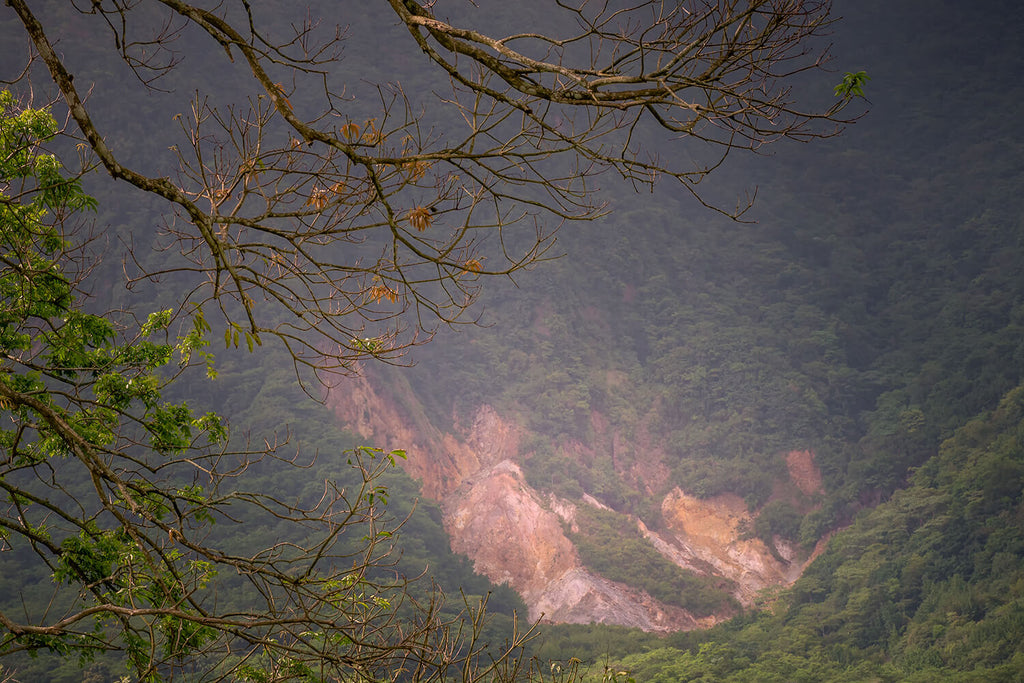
point(787, 449)
point(869, 321)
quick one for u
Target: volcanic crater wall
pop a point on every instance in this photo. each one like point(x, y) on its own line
point(515, 535)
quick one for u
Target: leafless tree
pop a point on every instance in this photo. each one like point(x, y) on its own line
point(349, 237)
point(308, 227)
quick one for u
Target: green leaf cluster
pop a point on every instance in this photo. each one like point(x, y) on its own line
point(85, 389)
point(852, 84)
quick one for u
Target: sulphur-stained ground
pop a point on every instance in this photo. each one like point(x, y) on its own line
point(711, 533)
point(515, 535)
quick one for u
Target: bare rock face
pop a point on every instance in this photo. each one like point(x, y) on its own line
point(500, 523)
point(515, 536)
point(707, 536)
point(804, 473)
point(440, 461)
point(579, 597)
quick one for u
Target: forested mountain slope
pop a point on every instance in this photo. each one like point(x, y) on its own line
point(926, 586)
point(875, 306)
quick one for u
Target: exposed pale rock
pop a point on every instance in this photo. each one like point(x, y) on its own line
point(708, 534)
point(579, 597)
point(440, 461)
point(501, 523)
point(515, 536)
point(594, 502)
point(564, 509)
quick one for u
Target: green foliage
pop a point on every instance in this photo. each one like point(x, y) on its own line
point(852, 84)
point(45, 337)
point(928, 585)
point(112, 488)
point(864, 324)
point(875, 308)
point(777, 518)
point(866, 331)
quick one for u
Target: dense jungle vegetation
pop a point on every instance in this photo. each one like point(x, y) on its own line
point(873, 308)
point(925, 586)
point(873, 314)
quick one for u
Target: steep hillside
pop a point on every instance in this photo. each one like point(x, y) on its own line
point(568, 563)
point(674, 364)
point(927, 586)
